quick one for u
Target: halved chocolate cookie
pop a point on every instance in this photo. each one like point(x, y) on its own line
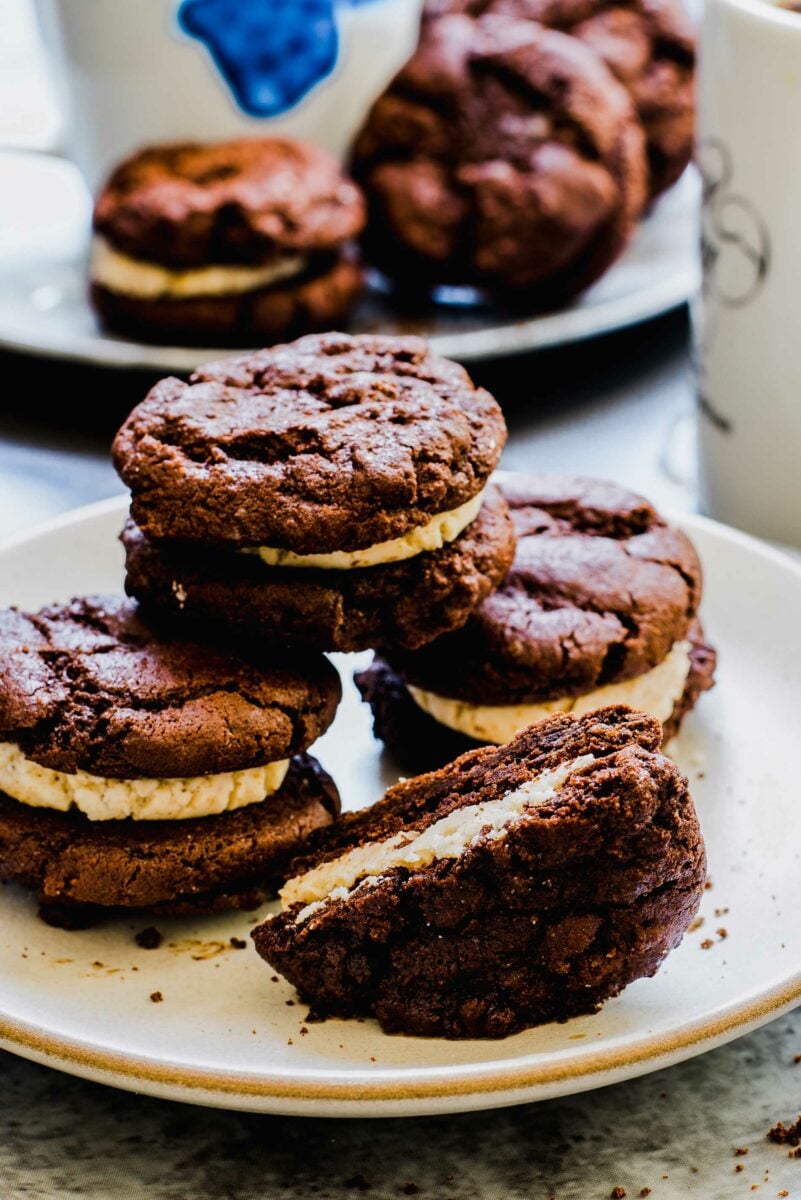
point(141, 771)
point(599, 607)
point(230, 242)
point(517, 885)
point(331, 493)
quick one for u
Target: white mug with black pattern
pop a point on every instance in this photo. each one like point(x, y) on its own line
point(749, 316)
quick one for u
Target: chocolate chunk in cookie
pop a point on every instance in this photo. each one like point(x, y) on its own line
point(599, 607)
point(517, 885)
point(237, 242)
point(505, 156)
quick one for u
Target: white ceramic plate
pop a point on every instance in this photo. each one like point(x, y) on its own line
point(44, 220)
point(227, 1035)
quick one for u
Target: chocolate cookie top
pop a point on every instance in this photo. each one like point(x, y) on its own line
point(600, 589)
point(89, 686)
point(191, 204)
point(332, 442)
point(504, 155)
point(649, 45)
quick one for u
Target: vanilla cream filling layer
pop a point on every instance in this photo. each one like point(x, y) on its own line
point(654, 692)
point(150, 281)
point(142, 799)
point(435, 534)
point(449, 837)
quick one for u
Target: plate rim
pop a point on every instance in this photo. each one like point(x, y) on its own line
point(401, 1086)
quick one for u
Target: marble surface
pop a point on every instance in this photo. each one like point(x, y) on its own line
point(674, 1132)
point(619, 408)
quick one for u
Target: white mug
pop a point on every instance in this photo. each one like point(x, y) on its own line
point(749, 317)
point(134, 72)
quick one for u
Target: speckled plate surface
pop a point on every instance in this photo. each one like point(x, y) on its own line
point(44, 222)
point(227, 1034)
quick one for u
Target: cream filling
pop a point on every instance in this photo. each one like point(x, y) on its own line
point(142, 799)
point(449, 837)
point(150, 281)
point(654, 692)
point(436, 533)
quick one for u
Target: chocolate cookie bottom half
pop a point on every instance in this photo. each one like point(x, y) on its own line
point(318, 297)
point(81, 869)
point(516, 886)
point(404, 603)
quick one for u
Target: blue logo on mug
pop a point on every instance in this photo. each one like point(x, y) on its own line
point(271, 53)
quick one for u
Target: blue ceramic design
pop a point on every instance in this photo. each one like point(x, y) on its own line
point(270, 52)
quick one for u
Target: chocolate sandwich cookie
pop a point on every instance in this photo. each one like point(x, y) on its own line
point(649, 45)
point(143, 773)
point(599, 607)
point(234, 242)
point(505, 156)
point(518, 885)
point(331, 493)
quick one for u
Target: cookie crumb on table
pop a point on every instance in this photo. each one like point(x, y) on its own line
point(238, 943)
point(149, 939)
point(156, 997)
point(787, 1135)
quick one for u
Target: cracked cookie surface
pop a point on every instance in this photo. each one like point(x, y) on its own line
point(649, 45)
point(333, 442)
point(90, 686)
point(504, 155)
point(571, 901)
point(600, 590)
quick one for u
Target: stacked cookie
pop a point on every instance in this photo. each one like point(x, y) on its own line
point(139, 771)
point(225, 243)
point(331, 494)
point(600, 607)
